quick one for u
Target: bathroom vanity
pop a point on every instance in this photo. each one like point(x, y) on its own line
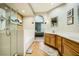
point(66, 44)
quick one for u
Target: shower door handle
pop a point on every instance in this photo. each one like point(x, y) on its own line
point(8, 33)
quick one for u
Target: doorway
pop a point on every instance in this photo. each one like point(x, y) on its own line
point(39, 27)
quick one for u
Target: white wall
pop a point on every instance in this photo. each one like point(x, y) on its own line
point(61, 13)
point(29, 32)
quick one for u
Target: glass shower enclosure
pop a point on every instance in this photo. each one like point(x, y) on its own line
point(8, 32)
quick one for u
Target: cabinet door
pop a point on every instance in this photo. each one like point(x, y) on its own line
point(47, 38)
point(52, 40)
point(69, 51)
point(59, 43)
point(69, 48)
point(73, 45)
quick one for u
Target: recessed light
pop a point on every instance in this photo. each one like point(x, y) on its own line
point(23, 11)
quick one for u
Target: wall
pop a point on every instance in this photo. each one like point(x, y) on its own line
point(61, 13)
point(29, 32)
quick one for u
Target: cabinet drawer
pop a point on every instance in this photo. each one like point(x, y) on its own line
point(69, 51)
point(72, 44)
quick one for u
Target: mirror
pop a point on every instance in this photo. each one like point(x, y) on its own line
point(54, 21)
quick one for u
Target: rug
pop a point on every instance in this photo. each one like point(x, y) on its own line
point(29, 51)
point(50, 51)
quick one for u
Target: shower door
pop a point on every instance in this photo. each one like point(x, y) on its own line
point(4, 38)
point(13, 38)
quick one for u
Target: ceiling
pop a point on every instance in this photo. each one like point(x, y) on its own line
point(30, 9)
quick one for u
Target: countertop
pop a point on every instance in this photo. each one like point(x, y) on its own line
point(70, 36)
